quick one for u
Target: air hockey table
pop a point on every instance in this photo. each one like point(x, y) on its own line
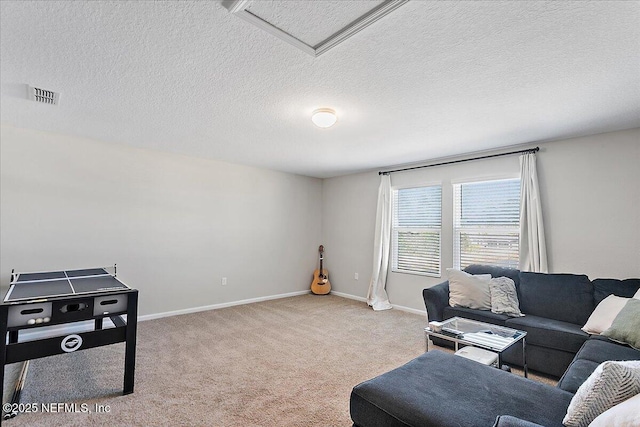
point(41, 300)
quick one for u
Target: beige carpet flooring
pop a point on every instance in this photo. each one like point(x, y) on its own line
point(287, 362)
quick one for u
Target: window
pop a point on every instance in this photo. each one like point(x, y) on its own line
point(486, 223)
point(415, 234)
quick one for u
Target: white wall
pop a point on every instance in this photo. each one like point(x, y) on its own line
point(175, 225)
point(591, 205)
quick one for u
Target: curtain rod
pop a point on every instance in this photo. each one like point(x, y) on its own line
point(529, 150)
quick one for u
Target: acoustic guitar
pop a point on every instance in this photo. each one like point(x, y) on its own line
point(320, 284)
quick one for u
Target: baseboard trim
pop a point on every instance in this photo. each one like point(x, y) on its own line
point(410, 310)
point(218, 306)
point(396, 306)
point(349, 296)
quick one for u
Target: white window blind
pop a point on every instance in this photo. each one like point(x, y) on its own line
point(417, 222)
point(486, 223)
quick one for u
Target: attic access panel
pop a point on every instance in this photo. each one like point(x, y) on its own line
point(312, 26)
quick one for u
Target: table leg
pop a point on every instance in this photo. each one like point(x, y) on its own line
point(524, 358)
point(4, 313)
point(130, 346)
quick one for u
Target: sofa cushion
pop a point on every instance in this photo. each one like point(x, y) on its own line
point(602, 288)
point(564, 297)
point(594, 351)
point(576, 374)
point(440, 389)
point(598, 349)
point(494, 271)
point(550, 333)
point(479, 315)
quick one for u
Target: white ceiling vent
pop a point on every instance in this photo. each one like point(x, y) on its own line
point(43, 95)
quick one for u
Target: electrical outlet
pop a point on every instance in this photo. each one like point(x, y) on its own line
point(224, 281)
point(356, 276)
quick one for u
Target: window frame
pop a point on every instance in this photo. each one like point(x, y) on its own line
point(495, 229)
point(394, 253)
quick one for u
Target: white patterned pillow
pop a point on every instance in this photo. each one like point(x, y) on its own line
point(609, 384)
point(504, 298)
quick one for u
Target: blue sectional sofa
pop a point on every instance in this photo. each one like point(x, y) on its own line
point(441, 389)
point(556, 306)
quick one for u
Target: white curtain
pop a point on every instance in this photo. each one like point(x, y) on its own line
point(533, 252)
point(377, 297)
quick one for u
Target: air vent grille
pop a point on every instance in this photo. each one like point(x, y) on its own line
point(43, 95)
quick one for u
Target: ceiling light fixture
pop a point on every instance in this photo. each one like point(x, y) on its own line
point(324, 117)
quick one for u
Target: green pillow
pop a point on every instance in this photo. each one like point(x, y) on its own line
point(626, 326)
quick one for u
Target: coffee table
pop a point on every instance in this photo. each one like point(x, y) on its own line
point(479, 334)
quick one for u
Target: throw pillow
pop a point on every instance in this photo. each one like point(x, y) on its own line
point(625, 414)
point(626, 326)
point(466, 290)
point(504, 298)
point(609, 384)
point(604, 314)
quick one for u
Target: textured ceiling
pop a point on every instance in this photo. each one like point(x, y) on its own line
point(430, 80)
